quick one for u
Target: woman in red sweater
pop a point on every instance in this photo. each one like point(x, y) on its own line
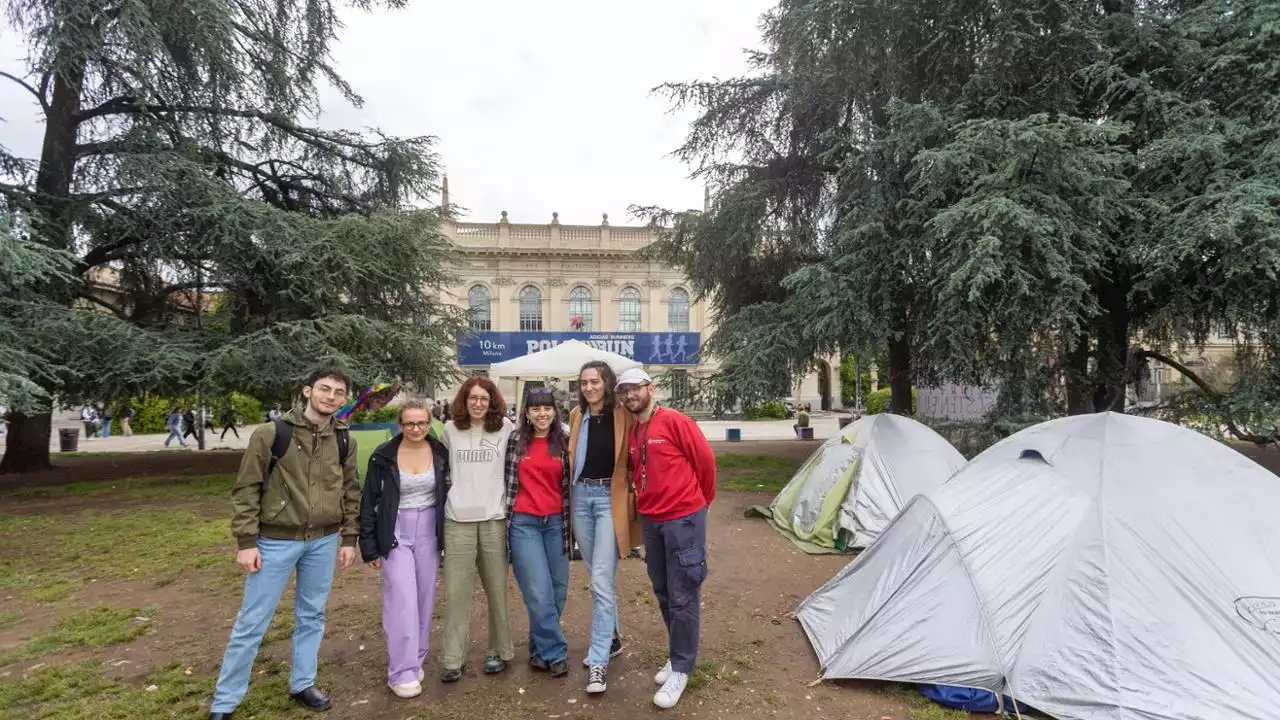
point(537, 502)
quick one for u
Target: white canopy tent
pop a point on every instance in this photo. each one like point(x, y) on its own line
point(1097, 567)
point(561, 362)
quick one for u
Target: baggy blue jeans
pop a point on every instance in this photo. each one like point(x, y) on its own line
point(314, 561)
point(541, 567)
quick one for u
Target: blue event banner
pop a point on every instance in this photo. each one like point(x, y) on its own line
point(669, 348)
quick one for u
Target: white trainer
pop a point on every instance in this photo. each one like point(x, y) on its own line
point(407, 690)
point(663, 674)
point(669, 694)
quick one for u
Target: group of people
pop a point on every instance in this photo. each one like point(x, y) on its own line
point(485, 494)
point(181, 423)
point(97, 423)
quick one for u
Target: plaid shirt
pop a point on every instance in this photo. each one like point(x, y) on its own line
point(512, 466)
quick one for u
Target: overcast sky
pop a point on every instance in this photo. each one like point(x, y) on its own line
point(539, 107)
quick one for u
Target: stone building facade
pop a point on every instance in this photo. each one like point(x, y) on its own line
point(527, 286)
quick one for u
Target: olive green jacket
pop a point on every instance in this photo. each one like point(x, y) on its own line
point(308, 495)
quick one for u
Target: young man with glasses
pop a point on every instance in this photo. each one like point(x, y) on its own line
point(674, 473)
point(296, 507)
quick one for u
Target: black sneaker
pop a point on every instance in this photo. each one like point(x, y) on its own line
point(596, 680)
point(538, 663)
point(559, 668)
point(450, 675)
point(615, 649)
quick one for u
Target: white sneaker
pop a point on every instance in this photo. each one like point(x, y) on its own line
point(669, 694)
point(407, 690)
point(422, 674)
point(663, 674)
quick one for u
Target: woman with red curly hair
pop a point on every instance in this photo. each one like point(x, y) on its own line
point(475, 526)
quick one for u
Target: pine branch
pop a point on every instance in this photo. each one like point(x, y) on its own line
point(44, 104)
point(1213, 395)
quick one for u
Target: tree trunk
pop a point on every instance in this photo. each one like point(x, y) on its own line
point(27, 444)
point(1075, 368)
point(1113, 348)
point(27, 447)
point(900, 376)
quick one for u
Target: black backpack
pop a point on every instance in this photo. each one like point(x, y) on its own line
point(284, 436)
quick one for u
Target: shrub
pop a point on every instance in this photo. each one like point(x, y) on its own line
point(772, 410)
point(877, 401)
point(246, 408)
point(381, 415)
point(150, 411)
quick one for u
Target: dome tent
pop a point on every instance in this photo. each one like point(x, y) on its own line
point(856, 482)
point(1100, 567)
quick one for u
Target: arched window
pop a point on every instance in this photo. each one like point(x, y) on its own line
point(678, 310)
point(530, 308)
point(629, 310)
point(479, 309)
point(580, 309)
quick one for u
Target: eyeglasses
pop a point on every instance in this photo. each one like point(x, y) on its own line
point(478, 399)
point(632, 389)
point(416, 425)
point(337, 392)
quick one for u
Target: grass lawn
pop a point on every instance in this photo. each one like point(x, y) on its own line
point(116, 597)
point(753, 473)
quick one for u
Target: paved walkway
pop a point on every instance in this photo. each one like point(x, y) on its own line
point(714, 430)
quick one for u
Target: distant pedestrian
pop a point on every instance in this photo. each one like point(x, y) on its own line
point(107, 416)
point(89, 417)
point(174, 426)
point(126, 420)
point(189, 424)
point(229, 422)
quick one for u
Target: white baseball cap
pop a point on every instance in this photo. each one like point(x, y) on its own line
point(634, 376)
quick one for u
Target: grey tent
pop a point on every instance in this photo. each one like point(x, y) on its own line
point(1102, 567)
point(858, 481)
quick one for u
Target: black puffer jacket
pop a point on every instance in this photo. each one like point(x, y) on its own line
point(380, 502)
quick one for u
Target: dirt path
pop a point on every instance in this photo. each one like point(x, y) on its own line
point(761, 661)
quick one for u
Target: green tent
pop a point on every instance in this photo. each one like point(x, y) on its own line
point(854, 484)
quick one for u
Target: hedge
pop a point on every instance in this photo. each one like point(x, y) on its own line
point(773, 410)
point(151, 412)
point(877, 401)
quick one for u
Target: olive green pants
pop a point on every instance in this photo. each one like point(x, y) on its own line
point(469, 547)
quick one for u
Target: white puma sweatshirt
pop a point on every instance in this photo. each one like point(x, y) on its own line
point(476, 462)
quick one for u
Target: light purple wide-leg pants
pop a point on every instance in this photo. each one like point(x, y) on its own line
point(409, 593)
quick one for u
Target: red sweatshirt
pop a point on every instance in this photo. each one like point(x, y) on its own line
point(678, 475)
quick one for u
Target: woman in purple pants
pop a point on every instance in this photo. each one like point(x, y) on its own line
point(402, 532)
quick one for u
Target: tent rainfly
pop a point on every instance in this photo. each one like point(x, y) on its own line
point(858, 481)
point(1098, 567)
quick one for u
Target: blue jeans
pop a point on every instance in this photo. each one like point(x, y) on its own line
point(541, 567)
point(314, 560)
point(173, 433)
point(593, 528)
point(106, 428)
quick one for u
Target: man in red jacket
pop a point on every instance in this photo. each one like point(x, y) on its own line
point(674, 474)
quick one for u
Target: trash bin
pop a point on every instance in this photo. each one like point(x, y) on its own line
point(68, 439)
point(806, 433)
point(733, 434)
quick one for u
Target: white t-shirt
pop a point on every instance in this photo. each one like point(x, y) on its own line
point(476, 461)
